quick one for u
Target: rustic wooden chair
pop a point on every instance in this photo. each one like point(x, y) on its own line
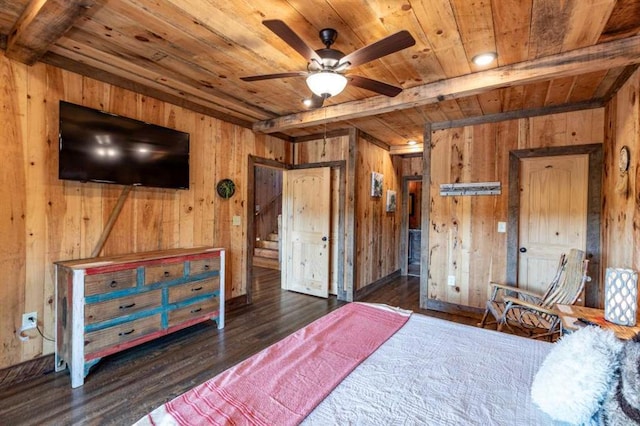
point(533, 313)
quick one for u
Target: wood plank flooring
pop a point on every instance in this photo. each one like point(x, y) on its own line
point(125, 386)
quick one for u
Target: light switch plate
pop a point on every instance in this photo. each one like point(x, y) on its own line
point(451, 280)
point(236, 221)
point(502, 227)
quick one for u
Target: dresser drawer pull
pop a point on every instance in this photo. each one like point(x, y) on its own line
point(206, 267)
point(128, 306)
point(126, 333)
point(113, 284)
point(167, 274)
point(197, 288)
point(193, 311)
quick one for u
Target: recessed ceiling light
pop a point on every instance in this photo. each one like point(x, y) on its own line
point(306, 102)
point(484, 58)
point(412, 143)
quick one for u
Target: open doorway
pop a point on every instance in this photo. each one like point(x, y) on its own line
point(267, 201)
point(414, 220)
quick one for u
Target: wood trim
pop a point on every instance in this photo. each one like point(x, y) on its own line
point(618, 53)
point(42, 23)
point(514, 115)
point(376, 285)
point(426, 218)
point(374, 141)
point(407, 150)
point(250, 215)
point(620, 81)
point(27, 370)
point(316, 136)
point(453, 308)
point(236, 303)
point(594, 209)
point(337, 163)
point(350, 211)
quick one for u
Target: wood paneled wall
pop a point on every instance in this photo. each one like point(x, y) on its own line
point(43, 219)
point(463, 237)
point(621, 203)
point(377, 231)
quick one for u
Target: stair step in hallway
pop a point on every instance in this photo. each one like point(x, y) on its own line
point(266, 253)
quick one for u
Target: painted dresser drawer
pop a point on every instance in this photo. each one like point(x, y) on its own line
point(195, 310)
point(102, 311)
point(118, 334)
point(204, 265)
point(108, 282)
point(193, 289)
point(164, 272)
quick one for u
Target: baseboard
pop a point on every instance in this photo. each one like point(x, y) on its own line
point(235, 303)
point(27, 370)
point(453, 308)
point(365, 291)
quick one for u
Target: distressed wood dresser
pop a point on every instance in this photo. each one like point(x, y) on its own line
point(108, 304)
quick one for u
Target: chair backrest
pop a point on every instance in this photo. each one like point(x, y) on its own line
point(569, 281)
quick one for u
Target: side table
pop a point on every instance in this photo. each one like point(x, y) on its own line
point(569, 315)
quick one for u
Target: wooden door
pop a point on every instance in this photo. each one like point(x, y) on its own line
point(553, 215)
point(306, 210)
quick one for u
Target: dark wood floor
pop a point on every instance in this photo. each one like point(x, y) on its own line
point(124, 387)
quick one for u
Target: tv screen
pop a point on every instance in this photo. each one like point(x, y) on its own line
point(101, 147)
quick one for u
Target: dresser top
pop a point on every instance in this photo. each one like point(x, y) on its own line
point(97, 262)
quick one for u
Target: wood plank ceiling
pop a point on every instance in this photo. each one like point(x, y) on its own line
point(552, 55)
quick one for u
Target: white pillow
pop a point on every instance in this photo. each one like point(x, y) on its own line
point(574, 378)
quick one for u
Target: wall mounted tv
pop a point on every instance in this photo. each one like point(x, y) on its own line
point(101, 147)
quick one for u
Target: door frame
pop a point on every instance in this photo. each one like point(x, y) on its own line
point(404, 224)
point(594, 208)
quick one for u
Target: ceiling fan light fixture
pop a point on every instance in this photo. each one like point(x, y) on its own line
point(484, 58)
point(326, 83)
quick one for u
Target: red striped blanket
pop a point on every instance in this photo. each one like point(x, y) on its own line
point(283, 383)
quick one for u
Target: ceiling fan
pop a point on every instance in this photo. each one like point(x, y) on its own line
point(326, 67)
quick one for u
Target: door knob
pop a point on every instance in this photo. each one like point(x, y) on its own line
point(324, 238)
point(523, 249)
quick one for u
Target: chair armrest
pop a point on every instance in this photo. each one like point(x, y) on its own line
point(510, 301)
point(518, 290)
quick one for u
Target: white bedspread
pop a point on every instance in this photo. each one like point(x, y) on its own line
point(435, 372)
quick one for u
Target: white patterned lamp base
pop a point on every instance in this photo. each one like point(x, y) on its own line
point(621, 296)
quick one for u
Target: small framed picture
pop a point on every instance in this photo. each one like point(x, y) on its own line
point(376, 184)
point(391, 201)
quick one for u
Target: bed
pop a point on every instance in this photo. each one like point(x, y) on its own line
point(429, 371)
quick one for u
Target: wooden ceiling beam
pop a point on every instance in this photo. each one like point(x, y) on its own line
point(40, 25)
point(602, 56)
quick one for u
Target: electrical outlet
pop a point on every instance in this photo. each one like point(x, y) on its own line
point(29, 320)
point(451, 280)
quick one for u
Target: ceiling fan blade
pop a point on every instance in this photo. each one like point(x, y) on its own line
point(393, 43)
point(272, 76)
point(374, 85)
point(283, 31)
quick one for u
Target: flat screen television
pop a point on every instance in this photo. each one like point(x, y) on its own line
point(101, 147)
